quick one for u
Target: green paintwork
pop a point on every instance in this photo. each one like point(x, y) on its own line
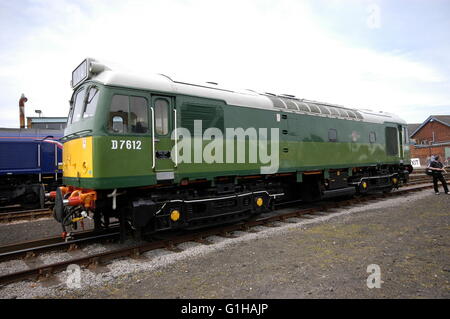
point(305, 138)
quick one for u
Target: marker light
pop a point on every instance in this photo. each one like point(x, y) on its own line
point(259, 201)
point(175, 215)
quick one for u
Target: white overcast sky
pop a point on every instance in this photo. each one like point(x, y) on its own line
point(390, 55)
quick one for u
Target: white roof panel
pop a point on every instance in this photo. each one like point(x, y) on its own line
point(245, 98)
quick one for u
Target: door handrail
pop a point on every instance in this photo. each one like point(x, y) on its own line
point(176, 136)
point(153, 137)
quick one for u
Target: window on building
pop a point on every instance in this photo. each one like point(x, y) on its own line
point(332, 135)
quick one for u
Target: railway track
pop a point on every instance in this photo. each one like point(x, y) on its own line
point(18, 207)
point(32, 248)
point(169, 242)
point(416, 179)
point(30, 215)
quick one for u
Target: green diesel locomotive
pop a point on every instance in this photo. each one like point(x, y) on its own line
point(160, 154)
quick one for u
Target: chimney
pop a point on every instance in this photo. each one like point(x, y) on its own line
point(22, 101)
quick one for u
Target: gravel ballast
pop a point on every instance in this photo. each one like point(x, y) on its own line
point(327, 256)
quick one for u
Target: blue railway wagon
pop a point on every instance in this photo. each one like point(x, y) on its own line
point(29, 165)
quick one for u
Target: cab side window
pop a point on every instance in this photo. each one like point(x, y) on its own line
point(138, 114)
point(118, 116)
point(128, 114)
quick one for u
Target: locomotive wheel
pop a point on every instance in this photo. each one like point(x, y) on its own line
point(31, 200)
point(42, 196)
point(387, 190)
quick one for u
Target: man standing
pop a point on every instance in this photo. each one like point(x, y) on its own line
point(437, 168)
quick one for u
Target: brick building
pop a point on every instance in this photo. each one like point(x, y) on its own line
point(432, 137)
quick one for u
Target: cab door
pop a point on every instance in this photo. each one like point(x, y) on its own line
point(400, 140)
point(163, 123)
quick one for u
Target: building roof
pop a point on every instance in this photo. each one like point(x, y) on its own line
point(412, 127)
point(443, 119)
point(35, 119)
point(431, 145)
point(29, 133)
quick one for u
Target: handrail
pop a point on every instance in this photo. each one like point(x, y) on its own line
point(153, 137)
point(176, 136)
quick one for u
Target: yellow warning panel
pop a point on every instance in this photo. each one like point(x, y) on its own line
point(77, 158)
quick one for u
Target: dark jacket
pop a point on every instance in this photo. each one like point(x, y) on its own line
point(436, 164)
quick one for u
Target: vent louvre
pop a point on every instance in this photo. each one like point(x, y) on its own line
point(290, 105)
point(211, 116)
point(323, 109)
point(314, 108)
point(283, 102)
point(359, 115)
point(277, 102)
point(303, 107)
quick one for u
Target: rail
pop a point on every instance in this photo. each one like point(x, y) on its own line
point(199, 236)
